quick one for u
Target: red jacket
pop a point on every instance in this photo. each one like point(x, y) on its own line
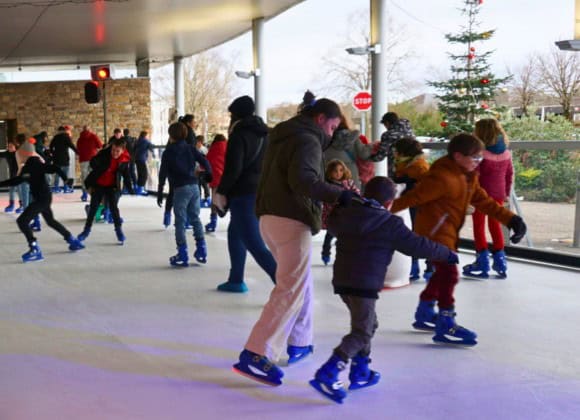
point(88, 145)
point(496, 174)
point(216, 157)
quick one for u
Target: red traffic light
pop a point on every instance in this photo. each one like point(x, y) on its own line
point(101, 72)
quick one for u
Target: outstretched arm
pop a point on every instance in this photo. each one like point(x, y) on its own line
point(12, 182)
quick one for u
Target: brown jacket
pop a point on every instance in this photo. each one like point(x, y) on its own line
point(442, 197)
point(414, 168)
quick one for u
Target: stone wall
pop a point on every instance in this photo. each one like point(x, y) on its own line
point(43, 106)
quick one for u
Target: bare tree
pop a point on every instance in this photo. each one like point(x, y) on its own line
point(350, 74)
point(208, 89)
point(524, 85)
point(559, 73)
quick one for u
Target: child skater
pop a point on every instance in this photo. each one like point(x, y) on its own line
point(10, 155)
point(496, 174)
point(410, 166)
point(107, 167)
point(34, 172)
point(338, 174)
point(367, 235)
point(442, 198)
point(217, 158)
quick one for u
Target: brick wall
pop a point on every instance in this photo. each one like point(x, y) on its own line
point(43, 106)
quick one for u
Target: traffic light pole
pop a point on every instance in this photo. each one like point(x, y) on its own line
point(104, 113)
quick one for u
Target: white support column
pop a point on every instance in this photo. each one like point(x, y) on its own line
point(379, 73)
point(258, 53)
point(179, 83)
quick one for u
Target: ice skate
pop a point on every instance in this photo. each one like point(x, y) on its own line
point(448, 332)
point(499, 264)
point(415, 273)
point(84, 196)
point(212, 225)
point(297, 353)
point(200, 253)
point(425, 316)
point(325, 258)
point(9, 208)
point(258, 368)
point(120, 235)
point(34, 254)
point(84, 234)
point(74, 244)
point(181, 259)
point(326, 379)
point(360, 375)
point(231, 287)
point(480, 267)
point(35, 225)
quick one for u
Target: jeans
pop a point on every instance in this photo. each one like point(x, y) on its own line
point(244, 235)
point(186, 207)
point(24, 191)
point(57, 176)
point(12, 193)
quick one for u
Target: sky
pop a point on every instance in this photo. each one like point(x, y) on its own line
point(297, 40)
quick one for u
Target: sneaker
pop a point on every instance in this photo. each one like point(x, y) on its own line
point(232, 287)
point(258, 368)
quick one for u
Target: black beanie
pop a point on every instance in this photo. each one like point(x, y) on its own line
point(242, 107)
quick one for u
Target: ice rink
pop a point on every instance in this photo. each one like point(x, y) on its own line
point(114, 333)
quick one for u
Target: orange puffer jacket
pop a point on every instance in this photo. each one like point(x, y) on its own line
point(442, 197)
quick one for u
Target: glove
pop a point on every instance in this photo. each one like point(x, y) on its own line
point(453, 258)
point(345, 198)
point(160, 198)
point(519, 228)
point(220, 203)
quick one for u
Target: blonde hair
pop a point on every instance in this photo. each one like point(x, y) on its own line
point(488, 130)
point(332, 165)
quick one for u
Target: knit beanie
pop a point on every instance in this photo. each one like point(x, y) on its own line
point(27, 148)
point(242, 107)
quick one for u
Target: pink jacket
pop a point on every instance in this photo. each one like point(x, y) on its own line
point(496, 174)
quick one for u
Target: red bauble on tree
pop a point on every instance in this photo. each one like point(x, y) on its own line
point(443, 124)
point(471, 56)
point(472, 49)
point(484, 81)
point(485, 106)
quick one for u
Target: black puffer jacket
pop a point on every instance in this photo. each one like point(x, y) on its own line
point(292, 181)
point(367, 237)
point(243, 162)
point(59, 149)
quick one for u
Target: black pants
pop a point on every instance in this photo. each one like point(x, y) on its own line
point(41, 206)
point(111, 196)
point(204, 187)
point(141, 173)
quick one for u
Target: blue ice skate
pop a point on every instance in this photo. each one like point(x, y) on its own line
point(480, 267)
point(74, 244)
point(258, 368)
point(35, 225)
point(84, 196)
point(499, 264)
point(211, 226)
point(84, 234)
point(34, 254)
point(326, 259)
point(200, 253)
point(233, 287)
point(448, 332)
point(120, 235)
point(415, 273)
point(326, 379)
point(166, 219)
point(425, 316)
point(297, 353)
point(360, 375)
point(9, 208)
point(181, 259)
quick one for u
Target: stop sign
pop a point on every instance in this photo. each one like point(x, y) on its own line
point(362, 101)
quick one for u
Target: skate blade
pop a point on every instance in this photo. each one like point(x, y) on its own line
point(454, 343)
point(420, 326)
point(321, 389)
point(255, 378)
point(375, 378)
point(476, 276)
point(32, 259)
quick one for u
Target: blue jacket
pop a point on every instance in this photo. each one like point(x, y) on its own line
point(142, 149)
point(178, 165)
point(367, 237)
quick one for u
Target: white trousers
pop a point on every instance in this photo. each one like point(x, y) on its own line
point(287, 316)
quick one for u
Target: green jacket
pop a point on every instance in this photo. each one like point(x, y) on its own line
point(292, 180)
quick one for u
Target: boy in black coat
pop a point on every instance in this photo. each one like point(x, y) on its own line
point(34, 172)
point(367, 236)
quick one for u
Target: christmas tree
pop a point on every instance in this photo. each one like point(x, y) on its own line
point(469, 95)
